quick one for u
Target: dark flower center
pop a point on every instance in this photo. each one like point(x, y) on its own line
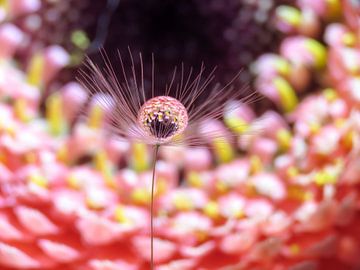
point(161, 125)
point(175, 31)
point(162, 118)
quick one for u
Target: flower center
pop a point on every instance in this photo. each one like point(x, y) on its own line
point(163, 117)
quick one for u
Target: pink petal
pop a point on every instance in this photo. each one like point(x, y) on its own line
point(231, 205)
point(14, 257)
point(197, 159)
point(178, 265)
point(19, 7)
point(58, 251)
point(266, 249)
point(68, 203)
point(5, 174)
point(97, 230)
point(258, 209)
point(164, 250)
point(224, 229)
point(269, 185)
point(198, 251)
point(35, 221)
point(55, 58)
point(74, 96)
point(265, 149)
point(238, 242)
point(10, 38)
point(111, 265)
point(277, 224)
point(9, 231)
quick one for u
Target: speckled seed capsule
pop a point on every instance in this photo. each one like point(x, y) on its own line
point(162, 118)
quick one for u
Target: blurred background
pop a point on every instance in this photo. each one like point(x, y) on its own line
point(281, 192)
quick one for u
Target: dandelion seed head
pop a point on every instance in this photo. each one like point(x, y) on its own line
point(163, 117)
point(156, 114)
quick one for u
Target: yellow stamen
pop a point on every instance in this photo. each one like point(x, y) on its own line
point(100, 161)
point(73, 181)
point(96, 117)
point(221, 187)
point(10, 130)
point(120, 215)
point(141, 196)
point(349, 39)
point(289, 14)
point(183, 203)
point(255, 164)
point(109, 180)
point(330, 94)
point(292, 172)
point(237, 125)
point(39, 180)
point(348, 140)
point(161, 186)
point(62, 154)
point(288, 98)
point(140, 158)
point(54, 114)
point(211, 209)
point(194, 179)
point(314, 127)
point(4, 4)
point(223, 150)
point(283, 66)
point(319, 52)
point(20, 109)
point(103, 165)
point(322, 178)
point(238, 213)
point(93, 204)
point(36, 70)
point(296, 192)
point(283, 137)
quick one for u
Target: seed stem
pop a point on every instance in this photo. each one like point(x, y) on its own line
point(156, 151)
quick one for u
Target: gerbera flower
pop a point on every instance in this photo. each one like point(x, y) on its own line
point(158, 115)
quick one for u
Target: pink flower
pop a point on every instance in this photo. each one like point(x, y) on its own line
point(278, 192)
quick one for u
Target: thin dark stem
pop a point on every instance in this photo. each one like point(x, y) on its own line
point(156, 151)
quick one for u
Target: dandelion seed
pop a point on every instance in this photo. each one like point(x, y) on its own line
point(155, 115)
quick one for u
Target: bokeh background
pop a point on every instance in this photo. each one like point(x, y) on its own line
point(282, 191)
